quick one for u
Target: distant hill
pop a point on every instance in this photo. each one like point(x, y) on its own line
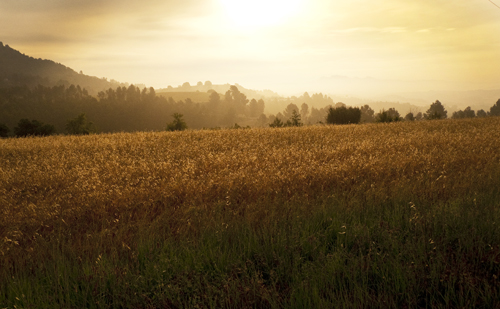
point(455, 100)
point(17, 69)
point(200, 91)
point(182, 96)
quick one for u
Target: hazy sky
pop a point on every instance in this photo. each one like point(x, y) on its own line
point(287, 46)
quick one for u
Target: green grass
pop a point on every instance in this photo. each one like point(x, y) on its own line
point(328, 253)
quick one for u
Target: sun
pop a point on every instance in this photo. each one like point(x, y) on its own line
point(260, 13)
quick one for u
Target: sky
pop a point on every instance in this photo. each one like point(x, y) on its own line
point(338, 47)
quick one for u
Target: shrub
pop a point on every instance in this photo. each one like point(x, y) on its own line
point(80, 125)
point(33, 128)
point(343, 115)
point(178, 124)
point(4, 130)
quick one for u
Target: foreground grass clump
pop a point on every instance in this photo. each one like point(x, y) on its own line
point(399, 215)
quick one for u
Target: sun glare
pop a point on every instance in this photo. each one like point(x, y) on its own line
point(259, 13)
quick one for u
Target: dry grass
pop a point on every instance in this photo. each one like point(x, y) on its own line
point(117, 184)
point(42, 179)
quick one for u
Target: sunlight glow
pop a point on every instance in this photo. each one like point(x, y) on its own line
point(260, 13)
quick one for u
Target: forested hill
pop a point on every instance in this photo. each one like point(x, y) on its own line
point(126, 109)
point(17, 69)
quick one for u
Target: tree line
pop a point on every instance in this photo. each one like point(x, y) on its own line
point(125, 109)
point(341, 114)
point(59, 109)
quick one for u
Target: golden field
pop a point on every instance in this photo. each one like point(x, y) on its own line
point(134, 176)
point(378, 215)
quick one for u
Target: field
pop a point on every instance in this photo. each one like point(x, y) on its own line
point(400, 215)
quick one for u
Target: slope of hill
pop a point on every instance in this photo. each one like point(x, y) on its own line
point(17, 69)
point(186, 88)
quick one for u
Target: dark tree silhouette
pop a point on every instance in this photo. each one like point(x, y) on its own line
point(409, 117)
point(33, 128)
point(4, 130)
point(80, 125)
point(466, 113)
point(481, 113)
point(178, 124)
point(277, 123)
point(390, 115)
point(294, 120)
point(343, 115)
point(495, 109)
point(436, 111)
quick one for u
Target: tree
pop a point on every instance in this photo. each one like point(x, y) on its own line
point(277, 123)
point(289, 110)
point(318, 115)
point(343, 115)
point(80, 125)
point(33, 128)
point(469, 113)
point(458, 114)
point(261, 106)
point(390, 115)
point(466, 113)
point(409, 117)
point(481, 113)
point(214, 99)
point(253, 109)
point(236, 99)
point(178, 124)
point(367, 114)
point(4, 130)
point(382, 116)
point(262, 120)
point(304, 111)
point(495, 109)
point(294, 121)
point(436, 111)
point(394, 114)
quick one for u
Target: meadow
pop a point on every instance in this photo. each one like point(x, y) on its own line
point(400, 215)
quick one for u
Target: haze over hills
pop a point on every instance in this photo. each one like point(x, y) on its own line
point(17, 69)
point(415, 94)
point(208, 86)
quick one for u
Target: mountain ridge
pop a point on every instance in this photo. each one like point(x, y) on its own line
point(18, 69)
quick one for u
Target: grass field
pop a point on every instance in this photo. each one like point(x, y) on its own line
point(401, 215)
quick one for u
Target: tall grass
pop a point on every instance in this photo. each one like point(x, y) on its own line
point(398, 215)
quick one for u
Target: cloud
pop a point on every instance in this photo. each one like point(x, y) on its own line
point(51, 21)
